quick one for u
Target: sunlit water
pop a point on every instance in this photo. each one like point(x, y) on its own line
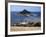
point(17, 18)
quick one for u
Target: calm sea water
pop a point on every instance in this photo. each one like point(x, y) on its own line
point(15, 18)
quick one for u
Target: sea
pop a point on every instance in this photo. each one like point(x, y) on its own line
point(17, 18)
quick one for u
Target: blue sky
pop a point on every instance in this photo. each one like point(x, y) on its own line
point(29, 8)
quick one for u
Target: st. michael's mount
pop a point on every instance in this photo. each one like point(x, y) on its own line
point(28, 13)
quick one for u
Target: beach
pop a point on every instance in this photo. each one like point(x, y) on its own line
point(15, 28)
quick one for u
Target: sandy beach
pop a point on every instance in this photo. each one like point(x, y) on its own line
point(15, 28)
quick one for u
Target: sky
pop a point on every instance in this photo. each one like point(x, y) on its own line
point(18, 8)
